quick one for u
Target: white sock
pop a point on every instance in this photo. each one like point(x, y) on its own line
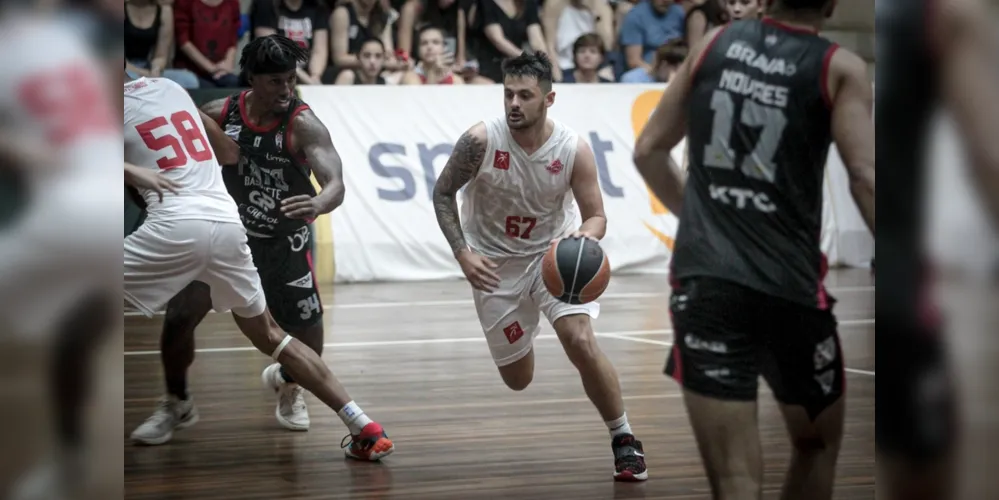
point(619, 426)
point(353, 417)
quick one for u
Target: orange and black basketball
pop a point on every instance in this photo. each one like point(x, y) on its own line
point(575, 270)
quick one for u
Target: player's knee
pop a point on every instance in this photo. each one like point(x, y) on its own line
point(517, 381)
point(577, 338)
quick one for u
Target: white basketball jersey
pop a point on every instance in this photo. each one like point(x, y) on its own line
point(54, 92)
point(517, 203)
point(164, 132)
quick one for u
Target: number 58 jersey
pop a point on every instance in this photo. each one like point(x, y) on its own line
point(758, 136)
point(164, 132)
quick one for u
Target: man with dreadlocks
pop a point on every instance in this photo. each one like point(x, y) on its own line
point(281, 142)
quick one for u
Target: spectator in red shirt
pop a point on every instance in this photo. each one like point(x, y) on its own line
point(207, 34)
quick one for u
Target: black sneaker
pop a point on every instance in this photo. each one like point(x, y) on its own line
point(629, 459)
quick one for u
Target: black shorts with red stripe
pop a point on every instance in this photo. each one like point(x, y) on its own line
point(726, 336)
point(284, 263)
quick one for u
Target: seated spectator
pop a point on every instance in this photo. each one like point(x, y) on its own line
point(666, 62)
point(703, 18)
point(353, 23)
point(500, 29)
point(207, 34)
point(371, 60)
point(648, 26)
point(564, 21)
point(416, 14)
point(744, 9)
point(588, 55)
point(148, 40)
point(435, 61)
point(305, 22)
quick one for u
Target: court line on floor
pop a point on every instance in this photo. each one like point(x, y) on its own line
point(381, 343)
point(666, 343)
point(463, 302)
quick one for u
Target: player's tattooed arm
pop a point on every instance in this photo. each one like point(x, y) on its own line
point(226, 149)
point(311, 138)
point(461, 167)
point(853, 126)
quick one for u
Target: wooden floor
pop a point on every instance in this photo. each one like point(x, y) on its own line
point(413, 356)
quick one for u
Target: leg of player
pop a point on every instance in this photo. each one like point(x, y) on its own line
point(368, 439)
point(176, 410)
point(519, 374)
point(729, 442)
point(815, 448)
point(600, 382)
point(292, 412)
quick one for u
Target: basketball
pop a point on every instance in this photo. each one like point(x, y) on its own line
point(575, 270)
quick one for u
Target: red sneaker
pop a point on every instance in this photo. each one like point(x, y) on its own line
point(371, 444)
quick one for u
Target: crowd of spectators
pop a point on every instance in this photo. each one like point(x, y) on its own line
point(416, 42)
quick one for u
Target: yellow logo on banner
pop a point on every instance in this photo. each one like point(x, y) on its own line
point(641, 110)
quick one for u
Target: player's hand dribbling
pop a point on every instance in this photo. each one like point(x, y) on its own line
point(577, 234)
point(478, 270)
point(144, 178)
point(302, 206)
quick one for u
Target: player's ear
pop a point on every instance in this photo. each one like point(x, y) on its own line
point(549, 99)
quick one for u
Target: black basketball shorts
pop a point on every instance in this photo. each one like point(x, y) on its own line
point(284, 263)
point(726, 336)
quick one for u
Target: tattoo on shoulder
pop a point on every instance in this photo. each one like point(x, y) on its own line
point(464, 162)
point(214, 108)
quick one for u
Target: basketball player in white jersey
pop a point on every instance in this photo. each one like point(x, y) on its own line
point(523, 172)
point(58, 285)
point(197, 235)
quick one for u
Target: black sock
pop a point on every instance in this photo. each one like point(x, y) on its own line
point(286, 376)
point(177, 387)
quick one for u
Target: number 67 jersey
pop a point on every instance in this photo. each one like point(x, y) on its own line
point(758, 133)
point(164, 132)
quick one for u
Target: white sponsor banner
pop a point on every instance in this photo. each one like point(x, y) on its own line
point(394, 141)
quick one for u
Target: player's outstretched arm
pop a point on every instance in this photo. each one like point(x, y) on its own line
point(853, 126)
point(460, 168)
point(226, 149)
point(310, 137)
point(969, 80)
point(665, 129)
point(586, 190)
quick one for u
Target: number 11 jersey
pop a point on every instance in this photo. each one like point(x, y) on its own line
point(759, 134)
point(164, 132)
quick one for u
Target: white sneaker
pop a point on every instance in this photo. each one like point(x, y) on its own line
point(171, 414)
point(291, 411)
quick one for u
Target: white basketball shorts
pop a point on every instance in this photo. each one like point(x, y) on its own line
point(509, 315)
point(163, 257)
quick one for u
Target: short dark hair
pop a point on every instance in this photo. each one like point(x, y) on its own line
point(272, 54)
point(588, 40)
point(429, 27)
point(530, 64)
point(372, 39)
point(808, 5)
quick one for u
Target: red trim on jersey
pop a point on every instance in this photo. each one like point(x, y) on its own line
point(287, 133)
point(677, 363)
point(704, 53)
point(821, 295)
point(787, 27)
point(260, 129)
point(824, 79)
point(225, 110)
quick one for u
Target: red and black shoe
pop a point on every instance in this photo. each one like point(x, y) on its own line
point(629, 459)
point(371, 444)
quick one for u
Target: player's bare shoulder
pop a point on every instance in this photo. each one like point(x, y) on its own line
point(215, 109)
point(466, 157)
point(308, 130)
point(845, 67)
